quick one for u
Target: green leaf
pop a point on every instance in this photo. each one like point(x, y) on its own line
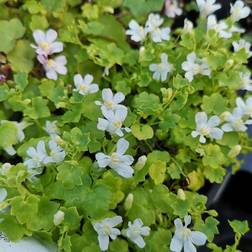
point(38, 22)
point(71, 218)
point(53, 5)
point(10, 31)
point(38, 108)
point(21, 80)
point(8, 134)
point(21, 58)
point(142, 7)
point(239, 227)
point(147, 104)
point(157, 172)
point(142, 132)
point(4, 92)
point(214, 103)
point(80, 139)
point(118, 245)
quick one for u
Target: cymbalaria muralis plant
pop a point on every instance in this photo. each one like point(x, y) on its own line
point(111, 120)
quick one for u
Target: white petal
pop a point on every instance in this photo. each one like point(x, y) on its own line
point(189, 247)
point(139, 241)
point(102, 159)
point(114, 221)
point(56, 47)
point(125, 171)
point(102, 124)
point(114, 233)
point(39, 36)
point(107, 94)
point(187, 220)
point(103, 242)
point(52, 75)
point(227, 127)
point(119, 97)
point(198, 238)
point(214, 121)
point(121, 113)
point(3, 194)
point(78, 80)
point(176, 244)
point(145, 231)
point(93, 88)
point(178, 223)
point(88, 79)
point(202, 139)
point(194, 133)
point(122, 146)
point(51, 35)
point(10, 150)
point(217, 133)
point(201, 118)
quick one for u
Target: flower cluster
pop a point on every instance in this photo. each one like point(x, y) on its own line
point(114, 113)
point(152, 27)
point(47, 46)
point(106, 229)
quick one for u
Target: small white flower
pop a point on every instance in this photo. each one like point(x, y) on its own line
point(136, 31)
point(46, 44)
point(188, 26)
point(239, 11)
point(234, 121)
point(246, 81)
point(221, 28)
point(172, 8)
point(113, 121)
point(3, 194)
point(245, 108)
point(53, 67)
point(152, 26)
point(194, 66)
point(186, 239)
point(58, 218)
point(162, 69)
point(234, 28)
point(207, 127)
point(207, 7)
point(51, 128)
point(85, 85)
point(117, 161)
point(56, 154)
point(242, 44)
point(111, 101)
point(135, 231)
point(37, 156)
point(106, 229)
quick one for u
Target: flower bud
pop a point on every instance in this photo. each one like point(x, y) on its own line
point(229, 63)
point(58, 217)
point(128, 201)
point(5, 168)
point(181, 194)
point(235, 151)
point(140, 163)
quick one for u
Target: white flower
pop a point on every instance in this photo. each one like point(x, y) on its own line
point(207, 127)
point(56, 154)
point(207, 7)
point(162, 69)
point(136, 31)
point(246, 81)
point(234, 121)
point(186, 239)
point(172, 8)
point(152, 26)
point(46, 44)
point(111, 101)
point(135, 231)
point(245, 108)
point(117, 161)
point(84, 85)
point(3, 194)
point(106, 229)
point(221, 28)
point(239, 11)
point(113, 121)
point(53, 67)
point(51, 128)
point(242, 44)
point(58, 217)
point(194, 66)
point(37, 156)
point(234, 28)
point(188, 26)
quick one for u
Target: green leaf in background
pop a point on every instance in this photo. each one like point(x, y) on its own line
point(21, 58)
point(142, 7)
point(214, 103)
point(53, 5)
point(8, 134)
point(21, 80)
point(10, 31)
point(157, 172)
point(38, 108)
point(4, 92)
